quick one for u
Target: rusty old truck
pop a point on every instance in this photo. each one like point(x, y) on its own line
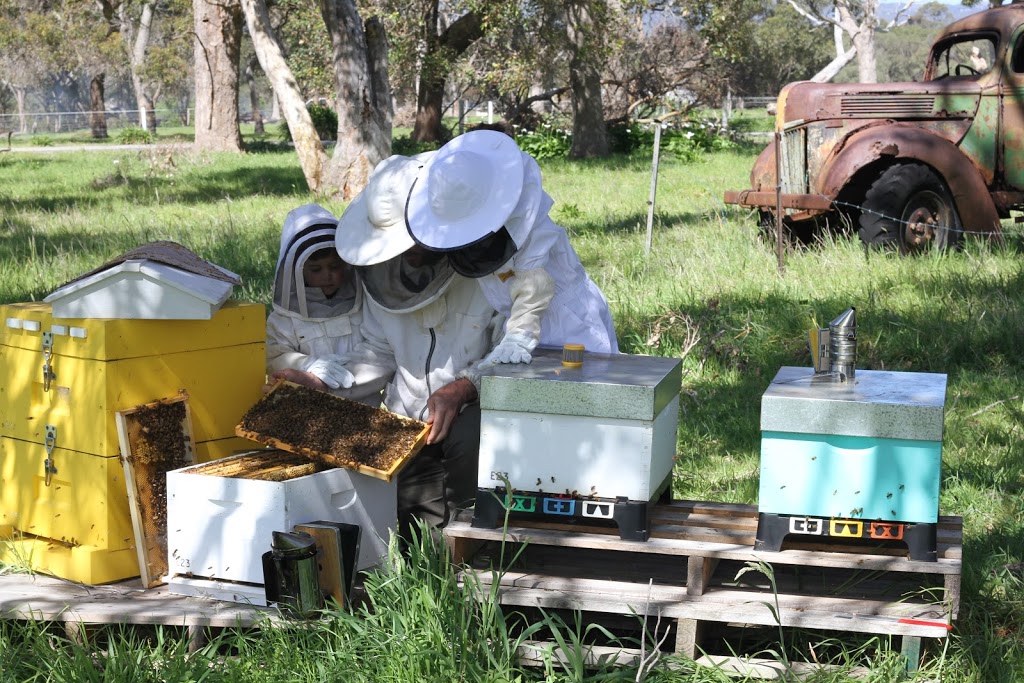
point(912, 165)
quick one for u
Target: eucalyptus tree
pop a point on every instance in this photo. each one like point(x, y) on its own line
point(217, 45)
point(857, 20)
point(362, 96)
point(431, 41)
point(782, 49)
point(60, 43)
point(19, 67)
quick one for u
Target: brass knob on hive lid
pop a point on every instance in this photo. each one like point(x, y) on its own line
point(572, 355)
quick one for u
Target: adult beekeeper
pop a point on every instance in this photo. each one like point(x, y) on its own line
point(479, 200)
point(427, 328)
point(317, 308)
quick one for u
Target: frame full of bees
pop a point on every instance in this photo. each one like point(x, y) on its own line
point(155, 438)
point(334, 431)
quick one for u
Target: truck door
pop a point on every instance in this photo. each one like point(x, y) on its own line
point(1012, 114)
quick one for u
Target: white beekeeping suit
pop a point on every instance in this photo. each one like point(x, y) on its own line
point(307, 330)
point(426, 324)
point(480, 200)
point(429, 328)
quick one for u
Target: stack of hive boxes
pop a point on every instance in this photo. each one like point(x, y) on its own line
point(63, 501)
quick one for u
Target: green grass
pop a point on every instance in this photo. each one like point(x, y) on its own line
point(710, 292)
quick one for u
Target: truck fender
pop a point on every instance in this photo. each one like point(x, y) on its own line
point(903, 143)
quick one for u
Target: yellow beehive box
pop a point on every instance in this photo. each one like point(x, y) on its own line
point(61, 383)
point(101, 366)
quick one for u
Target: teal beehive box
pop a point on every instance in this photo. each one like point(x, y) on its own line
point(856, 459)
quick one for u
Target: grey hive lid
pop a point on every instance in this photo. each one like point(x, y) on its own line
point(621, 386)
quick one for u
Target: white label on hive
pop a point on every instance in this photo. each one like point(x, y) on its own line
point(31, 325)
point(78, 332)
point(59, 329)
point(14, 323)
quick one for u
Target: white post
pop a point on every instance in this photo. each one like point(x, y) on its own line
point(490, 111)
point(654, 187)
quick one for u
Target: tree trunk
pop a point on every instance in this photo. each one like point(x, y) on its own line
point(147, 117)
point(97, 108)
point(363, 97)
point(254, 97)
point(843, 57)
point(589, 136)
point(218, 38)
point(862, 35)
point(429, 96)
point(312, 157)
point(867, 67)
point(454, 40)
point(19, 99)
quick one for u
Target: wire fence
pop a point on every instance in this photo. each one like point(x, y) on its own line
point(40, 123)
point(958, 230)
point(953, 229)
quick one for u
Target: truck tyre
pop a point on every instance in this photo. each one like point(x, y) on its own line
point(909, 207)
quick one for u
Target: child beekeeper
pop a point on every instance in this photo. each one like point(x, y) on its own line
point(317, 311)
point(479, 199)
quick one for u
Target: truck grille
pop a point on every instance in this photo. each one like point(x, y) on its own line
point(883, 106)
point(794, 161)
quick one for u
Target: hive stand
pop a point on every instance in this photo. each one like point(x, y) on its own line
point(919, 538)
point(632, 518)
point(690, 571)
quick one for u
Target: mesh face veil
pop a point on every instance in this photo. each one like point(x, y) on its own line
point(408, 281)
point(308, 230)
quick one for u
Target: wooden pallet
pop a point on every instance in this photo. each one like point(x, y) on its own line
point(691, 571)
point(81, 606)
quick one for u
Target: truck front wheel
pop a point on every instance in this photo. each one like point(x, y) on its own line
point(909, 207)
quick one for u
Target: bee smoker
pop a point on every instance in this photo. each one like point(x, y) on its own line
point(835, 349)
point(842, 345)
point(291, 574)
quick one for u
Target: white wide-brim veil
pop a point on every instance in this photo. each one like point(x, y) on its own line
point(372, 229)
point(466, 191)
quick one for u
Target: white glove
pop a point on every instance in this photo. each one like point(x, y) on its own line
point(514, 348)
point(330, 370)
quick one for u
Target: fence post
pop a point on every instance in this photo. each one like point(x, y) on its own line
point(654, 186)
point(727, 107)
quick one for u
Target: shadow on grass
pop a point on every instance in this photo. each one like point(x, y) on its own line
point(742, 342)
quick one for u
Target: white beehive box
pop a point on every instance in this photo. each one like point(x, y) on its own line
point(219, 527)
point(605, 430)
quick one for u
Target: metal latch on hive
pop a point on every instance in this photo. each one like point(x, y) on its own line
point(51, 440)
point(48, 373)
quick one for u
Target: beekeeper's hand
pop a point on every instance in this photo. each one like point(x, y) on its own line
point(514, 348)
point(445, 404)
point(330, 370)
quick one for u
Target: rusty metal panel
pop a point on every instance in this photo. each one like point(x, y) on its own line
point(767, 200)
point(980, 141)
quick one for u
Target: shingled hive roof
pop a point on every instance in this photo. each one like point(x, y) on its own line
point(168, 253)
